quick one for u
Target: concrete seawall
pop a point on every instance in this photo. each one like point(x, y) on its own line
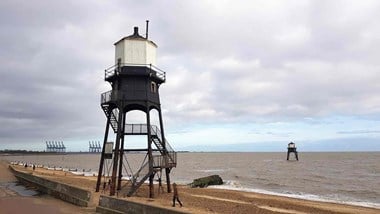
point(81, 197)
point(64, 192)
point(111, 205)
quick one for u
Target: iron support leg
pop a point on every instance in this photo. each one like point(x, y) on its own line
point(121, 155)
point(100, 172)
point(167, 171)
point(150, 155)
point(116, 155)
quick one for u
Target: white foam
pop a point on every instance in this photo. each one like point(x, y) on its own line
point(89, 174)
point(77, 173)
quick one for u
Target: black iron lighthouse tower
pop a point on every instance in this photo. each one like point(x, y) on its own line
point(292, 149)
point(135, 82)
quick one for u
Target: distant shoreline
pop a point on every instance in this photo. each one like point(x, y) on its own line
point(25, 152)
point(20, 152)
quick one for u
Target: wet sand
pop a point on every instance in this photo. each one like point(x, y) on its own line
point(208, 200)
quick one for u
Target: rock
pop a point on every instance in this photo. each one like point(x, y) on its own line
point(206, 181)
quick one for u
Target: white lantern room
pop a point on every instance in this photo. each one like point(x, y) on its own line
point(291, 145)
point(135, 50)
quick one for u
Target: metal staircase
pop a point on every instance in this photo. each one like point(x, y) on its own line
point(138, 179)
point(141, 129)
point(114, 115)
point(166, 159)
point(159, 162)
point(143, 174)
point(168, 152)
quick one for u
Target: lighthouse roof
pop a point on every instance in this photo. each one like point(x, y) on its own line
point(136, 36)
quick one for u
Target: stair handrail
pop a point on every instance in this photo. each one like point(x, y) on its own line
point(155, 131)
point(170, 151)
point(136, 175)
point(105, 97)
point(137, 183)
point(112, 95)
point(114, 114)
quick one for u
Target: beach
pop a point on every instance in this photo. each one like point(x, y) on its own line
point(195, 200)
point(338, 177)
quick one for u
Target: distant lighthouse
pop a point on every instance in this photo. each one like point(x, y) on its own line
point(292, 149)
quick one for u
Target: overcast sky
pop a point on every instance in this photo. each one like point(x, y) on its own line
point(249, 72)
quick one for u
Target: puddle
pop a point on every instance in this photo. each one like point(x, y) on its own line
point(20, 189)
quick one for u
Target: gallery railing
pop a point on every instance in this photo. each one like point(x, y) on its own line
point(115, 70)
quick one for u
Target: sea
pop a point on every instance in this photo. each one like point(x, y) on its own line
point(340, 177)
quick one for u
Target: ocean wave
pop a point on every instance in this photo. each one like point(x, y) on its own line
point(367, 193)
point(318, 176)
point(235, 184)
point(90, 174)
point(299, 195)
point(210, 170)
point(262, 179)
point(275, 185)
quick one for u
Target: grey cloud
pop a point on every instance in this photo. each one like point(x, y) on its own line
point(359, 132)
point(233, 62)
point(48, 76)
point(327, 72)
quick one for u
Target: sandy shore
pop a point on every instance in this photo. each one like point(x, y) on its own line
point(208, 200)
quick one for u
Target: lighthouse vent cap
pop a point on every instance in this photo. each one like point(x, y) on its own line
point(136, 31)
point(135, 35)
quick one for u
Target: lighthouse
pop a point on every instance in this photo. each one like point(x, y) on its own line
point(135, 80)
point(292, 149)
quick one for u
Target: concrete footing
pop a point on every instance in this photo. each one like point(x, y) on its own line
point(111, 205)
